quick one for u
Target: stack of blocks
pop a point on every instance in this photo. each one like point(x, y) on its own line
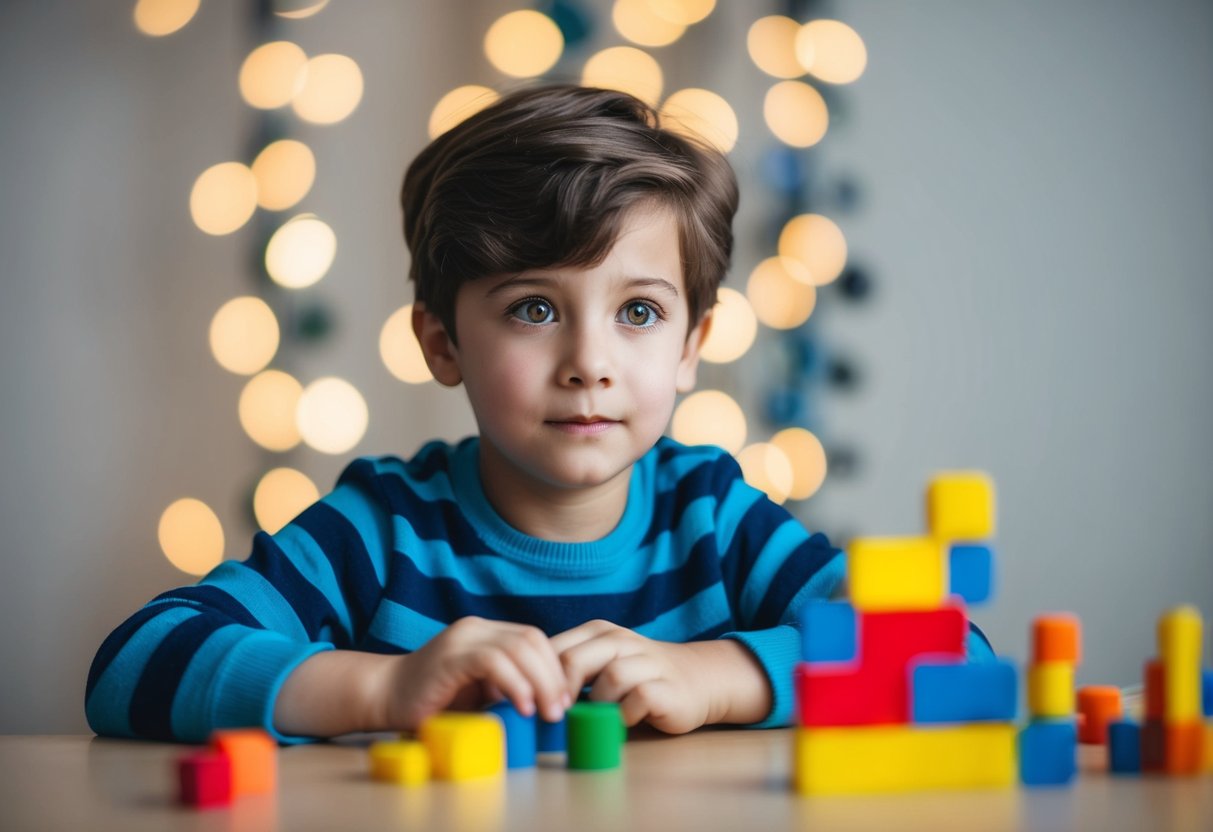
point(1048, 744)
point(238, 762)
point(468, 746)
point(885, 700)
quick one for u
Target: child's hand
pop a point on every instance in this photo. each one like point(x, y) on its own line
point(660, 682)
point(474, 662)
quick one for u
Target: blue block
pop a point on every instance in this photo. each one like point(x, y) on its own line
point(1124, 747)
point(551, 736)
point(520, 735)
point(1048, 752)
point(957, 692)
point(1206, 691)
point(829, 630)
point(971, 571)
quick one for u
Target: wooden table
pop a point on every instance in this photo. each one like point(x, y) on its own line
point(710, 779)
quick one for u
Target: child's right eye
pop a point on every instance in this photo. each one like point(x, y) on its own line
point(532, 311)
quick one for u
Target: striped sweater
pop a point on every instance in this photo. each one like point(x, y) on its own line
point(400, 549)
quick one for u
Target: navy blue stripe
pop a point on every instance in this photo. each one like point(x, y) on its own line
point(803, 563)
point(755, 528)
point(440, 520)
point(309, 603)
point(151, 705)
point(116, 640)
point(668, 506)
point(343, 546)
point(213, 599)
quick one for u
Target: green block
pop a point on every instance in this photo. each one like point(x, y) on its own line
point(595, 735)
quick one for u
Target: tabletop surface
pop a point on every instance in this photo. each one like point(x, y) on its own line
point(709, 779)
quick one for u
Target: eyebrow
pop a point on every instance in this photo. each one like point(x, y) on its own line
point(549, 282)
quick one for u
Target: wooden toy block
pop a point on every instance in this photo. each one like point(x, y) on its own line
point(1153, 746)
point(1056, 637)
point(405, 762)
point(1048, 752)
point(550, 737)
point(254, 758)
point(971, 572)
point(957, 692)
point(1099, 705)
point(464, 746)
point(1183, 749)
point(1206, 692)
point(960, 506)
point(596, 734)
point(1179, 632)
point(877, 689)
point(1051, 690)
point(1124, 747)
point(1206, 750)
point(1155, 689)
point(829, 632)
point(520, 735)
point(896, 573)
point(204, 779)
point(902, 758)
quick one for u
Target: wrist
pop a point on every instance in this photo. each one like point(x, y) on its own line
point(738, 692)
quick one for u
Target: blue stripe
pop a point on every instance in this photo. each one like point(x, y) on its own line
point(340, 542)
point(152, 699)
point(191, 709)
point(796, 574)
point(688, 619)
point(399, 626)
point(743, 521)
point(116, 640)
point(775, 555)
point(257, 595)
point(307, 601)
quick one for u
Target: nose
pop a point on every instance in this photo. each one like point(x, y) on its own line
point(585, 359)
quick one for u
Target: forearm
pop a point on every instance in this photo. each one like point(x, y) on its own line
point(333, 693)
point(736, 681)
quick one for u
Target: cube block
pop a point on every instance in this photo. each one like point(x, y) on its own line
point(1153, 746)
point(1048, 752)
point(958, 692)
point(1056, 637)
point(405, 762)
point(1051, 690)
point(1099, 705)
point(464, 746)
point(205, 779)
point(971, 572)
point(596, 734)
point(830, 631)
point(902, 758)
point(1183, 749)
point(896, 573)
point(960, 506)
point(1124, 747)
point(254, 758)
point(551, 736)
point(520, 735)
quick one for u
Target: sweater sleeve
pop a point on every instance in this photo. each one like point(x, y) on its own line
point(215, 654)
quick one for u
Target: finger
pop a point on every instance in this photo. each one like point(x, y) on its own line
point(645, 701)
point(580, 634)
point(585, 661)
point(543, 671)
point(620, 677)
point(495, 668)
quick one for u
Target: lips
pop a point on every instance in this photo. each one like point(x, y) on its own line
point(583, 425)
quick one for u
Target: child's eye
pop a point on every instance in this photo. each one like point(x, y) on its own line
point(532, 311)
point(639, 313)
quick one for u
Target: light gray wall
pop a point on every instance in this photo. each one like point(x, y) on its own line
point(1037, 214)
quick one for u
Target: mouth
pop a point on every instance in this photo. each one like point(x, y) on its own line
point(583, 425)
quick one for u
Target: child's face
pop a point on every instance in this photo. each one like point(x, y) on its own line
point(572, 372)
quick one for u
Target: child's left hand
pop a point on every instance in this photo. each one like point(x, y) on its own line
point(664, 683)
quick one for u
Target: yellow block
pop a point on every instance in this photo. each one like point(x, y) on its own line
point(464, 746)
point(1179, 648)
point(402, 761)
point(960, 506)
point(1051, 689)
point(903, 758)
point(896, 573)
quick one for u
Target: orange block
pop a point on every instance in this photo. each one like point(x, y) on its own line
point(1098, 705)
point(254, 758)
point(1056, 638)
point(1156, 689)
point(1183, 753)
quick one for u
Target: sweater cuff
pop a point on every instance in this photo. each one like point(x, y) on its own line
point(248, 681)
point(777, 650)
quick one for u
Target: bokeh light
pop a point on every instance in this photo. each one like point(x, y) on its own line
point(281, 495)
point(625, 68)
point(637, 21)
point(268, 407)
point(272, 74)
point(332, 415)
point(709, 417)
point(733, 328)
point(768, 469)
point(244, 335)
point(780, 293)
point(298, 9)
point(683, 12)
point(331, 89)
point(223, 198)
point(459, 104)
point(808, 459)
point(158, 18)
point(285, 171)
point(524, 43)
point(818, 243)
point(399, 349)
point(300, 252)
point(701, 114)
point(832, 51)
point(771, 42)
point(191, 536)
point(796, 113)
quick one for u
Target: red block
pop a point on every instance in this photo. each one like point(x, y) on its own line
point(1153, 745)
point(205, 779)
point(1156, 689)
point(876, 689)
point(1098, 705)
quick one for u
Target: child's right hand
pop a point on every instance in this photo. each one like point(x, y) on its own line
point(471, 663)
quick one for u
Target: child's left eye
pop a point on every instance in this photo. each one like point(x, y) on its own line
point(639, 314)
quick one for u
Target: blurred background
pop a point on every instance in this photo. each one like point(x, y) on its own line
point(971, 236)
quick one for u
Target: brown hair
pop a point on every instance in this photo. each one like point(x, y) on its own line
point(542, 178)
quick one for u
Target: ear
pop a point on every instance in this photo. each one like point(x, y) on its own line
point(689, 363)
point(441, 354)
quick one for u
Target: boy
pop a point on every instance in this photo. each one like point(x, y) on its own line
point(566, 252)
